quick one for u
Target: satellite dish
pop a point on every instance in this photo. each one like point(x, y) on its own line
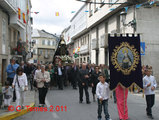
point(137, 1)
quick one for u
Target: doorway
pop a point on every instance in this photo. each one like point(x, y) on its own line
point(3, 77)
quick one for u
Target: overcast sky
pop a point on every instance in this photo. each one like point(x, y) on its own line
point(46, 18)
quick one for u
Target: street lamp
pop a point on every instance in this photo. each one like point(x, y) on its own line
point(31, 46)
point(123, 20)
point(123, 17)
point(33, 42)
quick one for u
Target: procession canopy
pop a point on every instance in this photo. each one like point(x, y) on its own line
point(125, 60)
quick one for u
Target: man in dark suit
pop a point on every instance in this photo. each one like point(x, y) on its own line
point(59, 71)
point(74, 72)
point(83, 79)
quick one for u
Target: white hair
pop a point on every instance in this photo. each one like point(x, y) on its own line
point(43, 66)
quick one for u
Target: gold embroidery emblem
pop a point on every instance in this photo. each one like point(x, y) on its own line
point(125, 58)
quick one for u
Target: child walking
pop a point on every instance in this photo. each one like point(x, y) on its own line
point(150, 84)
point(7, 91)
point(102, 93)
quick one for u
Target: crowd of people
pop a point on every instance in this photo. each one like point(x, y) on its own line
point(45, 77)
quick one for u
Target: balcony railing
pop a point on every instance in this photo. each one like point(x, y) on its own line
point(84, 49)
point(104, 41)
point(9, 5)
point(95, 44)
point(13, 3)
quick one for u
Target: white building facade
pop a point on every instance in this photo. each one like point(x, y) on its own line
point(15, 29)
point(44, 46)
point(105, 19)
point(79, 36)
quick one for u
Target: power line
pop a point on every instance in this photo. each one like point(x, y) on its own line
point(101, 2)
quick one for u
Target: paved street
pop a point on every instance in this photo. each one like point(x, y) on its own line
point(76, 111)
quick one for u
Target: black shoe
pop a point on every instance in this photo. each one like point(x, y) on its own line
point(151, 117)
point(88, 102)
point(13, 100)
point(80, 101)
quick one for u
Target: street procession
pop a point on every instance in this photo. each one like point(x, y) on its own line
point(79, 60)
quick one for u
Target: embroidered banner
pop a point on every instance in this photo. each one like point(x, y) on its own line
point(124, 61)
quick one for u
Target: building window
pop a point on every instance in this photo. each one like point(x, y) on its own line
point(51, 52)
point(118, 24)
point(95, 6)
point(52, 43)
point(43, 42)
point(85, 40)
point(4, 26)
point(46, 53)
point(15, 37)
point(81, 60)
point(90, 9)
point(34, 51)
point(82, 43)
point(87, 59)
point(48, 42)
point(84, 59)
point(41, 52)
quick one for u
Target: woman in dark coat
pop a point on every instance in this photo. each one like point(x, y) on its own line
point(95, 81)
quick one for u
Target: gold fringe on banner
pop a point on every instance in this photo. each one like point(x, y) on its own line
point(129, 88)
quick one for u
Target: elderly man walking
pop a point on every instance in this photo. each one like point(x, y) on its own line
point(83, 83)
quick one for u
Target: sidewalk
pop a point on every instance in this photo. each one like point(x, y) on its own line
point(29, 101)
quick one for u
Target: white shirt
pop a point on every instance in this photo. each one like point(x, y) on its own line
point(102, 90)
point(22, 81)
point(59, 71)
point(146, 81)
point(36, 73)
point(9, 92)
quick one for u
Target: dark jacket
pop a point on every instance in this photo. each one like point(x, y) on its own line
point(94, 79)
point(62, 70)
point(74, 73)
point(81, 77)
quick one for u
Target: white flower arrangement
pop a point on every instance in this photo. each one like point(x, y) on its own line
point(65, 58)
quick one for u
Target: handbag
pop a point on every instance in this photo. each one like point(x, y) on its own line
point(46, 84)
point(7, 96)
point(35, 83)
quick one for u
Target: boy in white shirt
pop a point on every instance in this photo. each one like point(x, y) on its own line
point(102, 92)
point(149, 84)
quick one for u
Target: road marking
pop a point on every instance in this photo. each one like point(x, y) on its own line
point(54, 115)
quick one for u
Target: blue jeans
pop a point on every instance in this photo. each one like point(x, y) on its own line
point(104, 103)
